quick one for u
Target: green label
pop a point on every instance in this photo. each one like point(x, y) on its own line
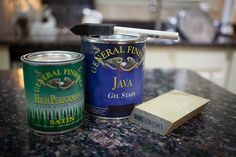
point(55, 96)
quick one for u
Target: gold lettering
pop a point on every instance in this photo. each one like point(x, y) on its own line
point(121, 50)
point(36, 98)
point(114, 86)
point(121, 83)
point(95, 63)
point(41, 82)
point(36, 88)
point(49, 75)
point(116, 51)
point(72, 118)
point(51, 122)
point(44, 77)
point(124, 82)
point(94, 69)
point(104, 55)
point(75, 73)
point(130, 83)
point(57, 122)
point(135, 50)
point(108, 51)
point(66, 71)
point(71, 72)
point(94, 66)
point(52, 99)
point(54, 73)
point(129, 50)
point(62, 121)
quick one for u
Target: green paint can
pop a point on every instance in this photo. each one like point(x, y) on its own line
point(54, 90)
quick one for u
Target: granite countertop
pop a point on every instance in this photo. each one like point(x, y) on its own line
point(211, 133)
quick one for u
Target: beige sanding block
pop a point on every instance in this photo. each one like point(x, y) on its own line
point(168, 111)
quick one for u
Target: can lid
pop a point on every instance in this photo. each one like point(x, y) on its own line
point(115, 39)
point(52, 57)
point(118, 37)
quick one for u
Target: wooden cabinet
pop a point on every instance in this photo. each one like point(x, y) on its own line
point(212, 63)
point(4, 57)
point(231, 84)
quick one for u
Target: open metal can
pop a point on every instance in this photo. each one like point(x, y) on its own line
point(113, 75)
point(54, 90)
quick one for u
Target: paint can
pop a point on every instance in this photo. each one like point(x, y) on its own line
point(54, 90)
point(113, 75)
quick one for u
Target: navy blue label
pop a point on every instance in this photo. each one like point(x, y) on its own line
point(114, 77)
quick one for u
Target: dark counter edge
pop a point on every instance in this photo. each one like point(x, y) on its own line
point(74, 41)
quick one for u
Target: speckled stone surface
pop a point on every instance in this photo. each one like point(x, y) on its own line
point(211, 133)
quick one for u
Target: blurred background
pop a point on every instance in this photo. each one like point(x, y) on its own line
point(207, 29)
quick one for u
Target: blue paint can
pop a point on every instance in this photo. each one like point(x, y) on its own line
point(113, 74)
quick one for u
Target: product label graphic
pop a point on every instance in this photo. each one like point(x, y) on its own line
point(54, 95)
point(114, 77)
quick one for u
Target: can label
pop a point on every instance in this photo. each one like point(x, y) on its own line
point(114, 77)
point(55, 96)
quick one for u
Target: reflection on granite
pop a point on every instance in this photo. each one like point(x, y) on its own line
point(211, 133)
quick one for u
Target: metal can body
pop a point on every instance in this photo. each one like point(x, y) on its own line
point(54, 90)
point(113, 75)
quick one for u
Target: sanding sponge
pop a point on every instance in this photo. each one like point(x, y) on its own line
point(168, 111)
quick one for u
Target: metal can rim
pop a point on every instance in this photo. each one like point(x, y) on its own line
point(75, 57)
point(127, 39)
